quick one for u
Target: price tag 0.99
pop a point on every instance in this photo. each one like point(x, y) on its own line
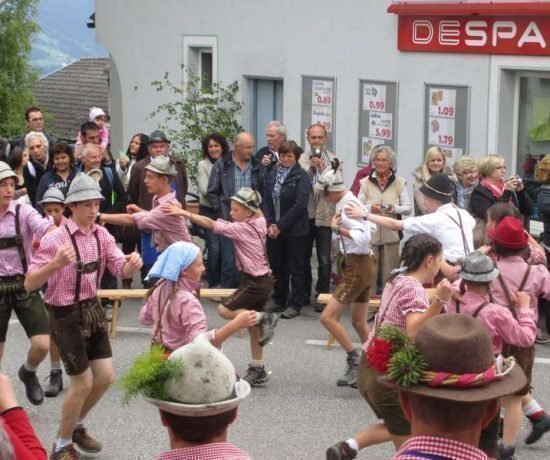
point(376, 105)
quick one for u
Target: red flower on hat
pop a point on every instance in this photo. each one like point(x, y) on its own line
point(379, 354)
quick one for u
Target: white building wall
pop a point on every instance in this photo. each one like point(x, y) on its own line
point(347, 39)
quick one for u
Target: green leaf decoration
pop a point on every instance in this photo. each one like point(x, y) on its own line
point(394, 335)
point(149, 374)
point(406, 365)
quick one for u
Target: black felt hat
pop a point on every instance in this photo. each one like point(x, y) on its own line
point(439, 187)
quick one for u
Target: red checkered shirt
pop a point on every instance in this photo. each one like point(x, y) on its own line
point(166, 229)
point(212, 451)
point(249, 239)
point(401, 296)
point(436, 448)
point(61, 285)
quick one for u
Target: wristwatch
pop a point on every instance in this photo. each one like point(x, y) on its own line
point(98, 218)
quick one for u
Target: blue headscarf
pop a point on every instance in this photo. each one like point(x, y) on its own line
point(173, 260)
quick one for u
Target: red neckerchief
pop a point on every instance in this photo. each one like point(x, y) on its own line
point(496, 190)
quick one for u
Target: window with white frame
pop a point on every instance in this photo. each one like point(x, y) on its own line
point(200, 54)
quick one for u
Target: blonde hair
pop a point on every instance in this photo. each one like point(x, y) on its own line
point(542, 170)
point(431, 153)
point(464, 163)
point(489, 163)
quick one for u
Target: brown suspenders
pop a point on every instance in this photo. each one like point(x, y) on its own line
point(81, 267)
point(461, 227)
point(477, 310)
point(507, 293)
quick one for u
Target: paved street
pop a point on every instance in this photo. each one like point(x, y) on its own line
point(297, 415)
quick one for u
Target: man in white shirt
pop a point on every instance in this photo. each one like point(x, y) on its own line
point(359, 272)
point(452, 226)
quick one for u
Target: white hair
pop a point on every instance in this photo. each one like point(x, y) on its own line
point(386, 149)
point(84, 152)
point(32, 135)
point(279, 126)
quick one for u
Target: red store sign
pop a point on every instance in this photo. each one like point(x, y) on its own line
point(495, 29)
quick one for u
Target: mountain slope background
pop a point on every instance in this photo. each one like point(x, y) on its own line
point(64, 37)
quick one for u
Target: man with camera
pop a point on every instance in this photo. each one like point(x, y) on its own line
point(275, 133)
point(315, 161)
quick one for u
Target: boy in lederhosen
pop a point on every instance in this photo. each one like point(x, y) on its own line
point(72, 260)
point(18, 223)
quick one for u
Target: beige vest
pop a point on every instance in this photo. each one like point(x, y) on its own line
point(389, 196)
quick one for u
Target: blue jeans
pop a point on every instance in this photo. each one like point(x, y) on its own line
point(322, 238)
point(230, 276)
point(213, 249)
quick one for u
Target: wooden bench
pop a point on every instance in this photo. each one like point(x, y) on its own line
point(118, 295)
point(374, 304)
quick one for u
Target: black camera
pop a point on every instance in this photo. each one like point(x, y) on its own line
point(317, 153)
point(273, 160)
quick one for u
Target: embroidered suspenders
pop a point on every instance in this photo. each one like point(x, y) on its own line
point(16, 241)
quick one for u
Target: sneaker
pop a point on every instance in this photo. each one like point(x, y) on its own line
point(55, 384)
point(290, 313)
point(542, 337)
point(66, 453)
point(32, 386)
point(507, 453)
point(256, 375)
point(538, 429)
point(341, 451)
point(108, 308)
point(84, 442)
point(350, 376)
point(267, 325)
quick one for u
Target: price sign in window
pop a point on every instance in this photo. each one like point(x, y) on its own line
point(319, 107)
point(446, 119)
point(377, 117)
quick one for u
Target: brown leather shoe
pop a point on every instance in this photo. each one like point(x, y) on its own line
point(66, 453)
point(84, 442)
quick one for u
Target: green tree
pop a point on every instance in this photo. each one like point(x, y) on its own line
point(17, 77)
point(200, 108)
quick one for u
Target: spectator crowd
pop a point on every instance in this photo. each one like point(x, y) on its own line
point(74, 219)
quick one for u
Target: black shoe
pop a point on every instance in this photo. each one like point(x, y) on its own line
point(256, 375)
point(506, 453)
point(55, 384)
point(341, 451)
point(32, 386)
point(290, 313)
point(319, 307)
point(538, 429)
point(350, 376)
point(267, 325)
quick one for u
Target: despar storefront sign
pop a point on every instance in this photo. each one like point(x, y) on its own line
point(483, 35)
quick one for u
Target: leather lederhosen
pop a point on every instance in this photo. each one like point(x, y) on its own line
point(93, 317)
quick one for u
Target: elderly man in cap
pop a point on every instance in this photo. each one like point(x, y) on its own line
point(166, 229)
point(18, 223)
point(451, 225)
point(200, 402)
point(72, 259)
point(450, 400)
point(359, 273)
point(138, 194)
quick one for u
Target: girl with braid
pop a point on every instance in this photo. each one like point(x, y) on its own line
point(406, 305)
point(172, 306)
